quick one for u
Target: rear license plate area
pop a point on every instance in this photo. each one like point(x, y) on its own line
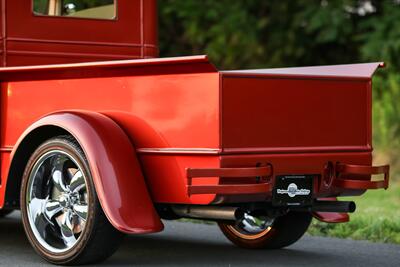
point(293, 190)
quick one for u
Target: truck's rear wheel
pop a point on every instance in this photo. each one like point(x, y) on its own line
point(61, 213)
point(261, 232)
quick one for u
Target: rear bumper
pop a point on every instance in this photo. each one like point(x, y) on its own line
point(262, 175)
point(343, 170)
point(260, 180)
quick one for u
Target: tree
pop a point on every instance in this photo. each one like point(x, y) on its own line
point(250, 34)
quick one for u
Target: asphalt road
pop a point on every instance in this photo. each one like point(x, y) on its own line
point(186, 244)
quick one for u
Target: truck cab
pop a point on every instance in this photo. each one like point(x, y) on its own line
point(43, 32)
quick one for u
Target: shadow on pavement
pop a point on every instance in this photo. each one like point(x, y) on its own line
point(162, 251)
point(180, 245)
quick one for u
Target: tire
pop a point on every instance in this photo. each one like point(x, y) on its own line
point(61, 213)
point(282, 232)
point(4, 213)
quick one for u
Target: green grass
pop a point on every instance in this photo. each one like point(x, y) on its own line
point(377, 218)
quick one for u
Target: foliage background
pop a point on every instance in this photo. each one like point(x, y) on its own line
point(276, 33)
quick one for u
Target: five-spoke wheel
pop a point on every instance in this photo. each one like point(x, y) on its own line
point(57, 200)
point(61, 213)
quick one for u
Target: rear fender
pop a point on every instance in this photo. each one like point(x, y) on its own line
point(115, 169)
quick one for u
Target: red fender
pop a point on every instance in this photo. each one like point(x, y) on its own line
point(115, 169)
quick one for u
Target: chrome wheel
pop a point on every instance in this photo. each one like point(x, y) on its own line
point(57, 201)
point(252, 227)
point(60, 210)
point(256, 231)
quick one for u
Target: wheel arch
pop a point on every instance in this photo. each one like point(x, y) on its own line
point(112, 160)
point(20, 157)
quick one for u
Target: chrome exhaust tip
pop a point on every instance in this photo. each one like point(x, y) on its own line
point(208, 212)
point(334, 206)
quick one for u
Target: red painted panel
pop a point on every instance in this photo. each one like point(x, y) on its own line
point(150, 28)
point(278, 114)
point(2, 33)
point(22, 23)
point(34, 40)
point(166, 177)
point(169, 112)
point(39, 53)
point(178, 111)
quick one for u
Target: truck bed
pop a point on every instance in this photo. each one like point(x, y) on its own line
point(182, 113)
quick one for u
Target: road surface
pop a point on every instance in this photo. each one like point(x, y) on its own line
point(186, 244)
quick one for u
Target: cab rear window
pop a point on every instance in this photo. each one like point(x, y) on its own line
point(94, 9)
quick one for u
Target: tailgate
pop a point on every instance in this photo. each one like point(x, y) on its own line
point(303, 109)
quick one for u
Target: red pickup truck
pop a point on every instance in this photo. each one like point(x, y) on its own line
point(100, 138)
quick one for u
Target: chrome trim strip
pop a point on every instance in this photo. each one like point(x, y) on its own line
point(7, 149)
point(201, 151)
point(255, 150)
point(292, 150)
